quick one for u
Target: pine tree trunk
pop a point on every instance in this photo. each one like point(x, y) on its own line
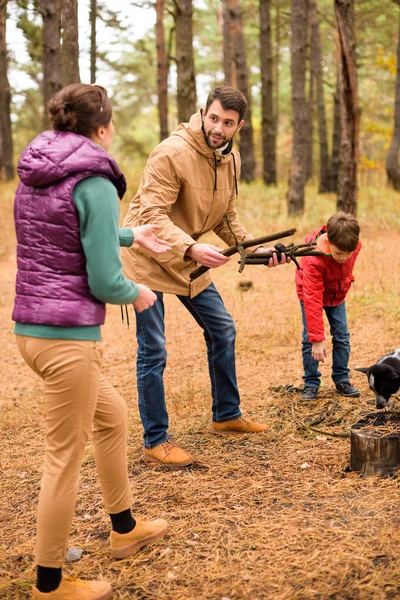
point(52, 67)
point(392, 160)
point(186, 92)
point(299, 107)
point(93, 42)
point(227, 50)
point(336, 140)
point(276, 62)
point(350, 111)
point(316, 68)
point(246, 144)
point(162, 70)
point(5, 100)
point(267, 104)
point(70, 42)
point(310, 122)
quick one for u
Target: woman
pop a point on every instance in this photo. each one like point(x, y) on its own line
point(66, 217)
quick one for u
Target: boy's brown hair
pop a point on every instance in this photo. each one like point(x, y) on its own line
point(343, 231)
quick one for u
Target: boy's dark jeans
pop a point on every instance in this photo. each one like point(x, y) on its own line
point(336, 316)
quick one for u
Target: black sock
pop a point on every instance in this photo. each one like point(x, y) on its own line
point(48, 579)
point(123, 522)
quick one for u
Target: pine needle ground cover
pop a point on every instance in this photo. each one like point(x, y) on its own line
point(272, 516)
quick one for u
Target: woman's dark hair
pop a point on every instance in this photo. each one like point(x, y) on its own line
point(80, 108)
point(230, 99)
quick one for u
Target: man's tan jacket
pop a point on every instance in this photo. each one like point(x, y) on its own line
point(186, 189)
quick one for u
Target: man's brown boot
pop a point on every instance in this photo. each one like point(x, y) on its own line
point(76, 589)
point(240, 425)
point(167, 454)
point(144, 533)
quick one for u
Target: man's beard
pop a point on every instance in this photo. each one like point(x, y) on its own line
point(216, 144)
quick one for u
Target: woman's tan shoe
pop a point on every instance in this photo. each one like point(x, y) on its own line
point(144, 533)
point(76, 589)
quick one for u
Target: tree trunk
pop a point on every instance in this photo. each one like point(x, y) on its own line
point(299, 107)
point(246, 145)
point(52, 71)
point(267, 104)
point(375, 444)
point(5, 100)
point(70, 42)
point(392, 160)
point(228, 66)
point(276, 62)
point(162, 70)
point(336, 140)
point(350, 111)
point(316, 68)
point(93, 43)
point(186, 92)
point(310, 124)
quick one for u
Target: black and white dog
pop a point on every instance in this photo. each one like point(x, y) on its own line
point(384, 377)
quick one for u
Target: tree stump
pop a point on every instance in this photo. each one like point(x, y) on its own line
point(375, 444)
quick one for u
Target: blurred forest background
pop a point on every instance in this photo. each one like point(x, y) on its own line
point(320, 76)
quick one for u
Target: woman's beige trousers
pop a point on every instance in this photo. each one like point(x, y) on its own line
point(77, 400)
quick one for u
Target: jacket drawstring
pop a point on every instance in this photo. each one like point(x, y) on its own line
point(126, 313)
point(235, 176)
point(215, 172)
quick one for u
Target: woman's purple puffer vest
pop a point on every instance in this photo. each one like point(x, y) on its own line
point(52, 285)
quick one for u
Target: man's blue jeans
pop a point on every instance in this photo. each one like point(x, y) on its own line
point(219, 330)
point(340, 347)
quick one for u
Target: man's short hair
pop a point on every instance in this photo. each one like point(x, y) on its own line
point(230, 98)
point(343, 231)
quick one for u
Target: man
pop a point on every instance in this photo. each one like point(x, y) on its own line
point(188, 188)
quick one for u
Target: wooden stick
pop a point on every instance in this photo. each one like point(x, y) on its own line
point(233, 249)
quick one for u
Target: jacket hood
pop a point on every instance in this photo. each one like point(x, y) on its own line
point(193, 133)
point(54, 155)
point(320, 236)
point(323, 244)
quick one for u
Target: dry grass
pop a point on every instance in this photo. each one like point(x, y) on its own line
point(273, 516)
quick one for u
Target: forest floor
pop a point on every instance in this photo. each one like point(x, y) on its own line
point(272, 516)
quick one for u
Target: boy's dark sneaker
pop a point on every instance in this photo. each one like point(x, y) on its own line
point(346, 389)
point(309, 393)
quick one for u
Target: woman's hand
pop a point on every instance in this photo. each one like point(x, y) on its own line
point(146, 297)
point(144, 236)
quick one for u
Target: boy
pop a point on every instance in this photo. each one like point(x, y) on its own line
point(322, 284)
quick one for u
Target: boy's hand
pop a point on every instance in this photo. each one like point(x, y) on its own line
point(318, 351)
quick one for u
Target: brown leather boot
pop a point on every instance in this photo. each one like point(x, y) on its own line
point(167, 454)
point(144, 533)
point(240, 425)
point(76, 589)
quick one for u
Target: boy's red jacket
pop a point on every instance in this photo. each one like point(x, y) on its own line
point(322, 281)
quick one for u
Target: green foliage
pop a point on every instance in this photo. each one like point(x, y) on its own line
point(134, 83)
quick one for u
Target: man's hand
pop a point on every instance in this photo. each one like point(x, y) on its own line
point(144, 236)
point(318, 351)
point(273, 262)
point(145, 299)
point(207, 255)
